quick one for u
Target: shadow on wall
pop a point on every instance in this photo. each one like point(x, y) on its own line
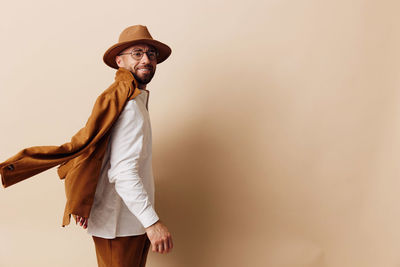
point(218, 215)
point(190, 195)
point(214, 196)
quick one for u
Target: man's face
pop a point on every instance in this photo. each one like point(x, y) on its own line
point(142, 69)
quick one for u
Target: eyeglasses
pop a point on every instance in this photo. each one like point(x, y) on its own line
point(137, 54)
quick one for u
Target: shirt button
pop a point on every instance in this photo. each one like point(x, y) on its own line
point(10, 167)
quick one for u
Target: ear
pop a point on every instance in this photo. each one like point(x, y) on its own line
point(118, 61)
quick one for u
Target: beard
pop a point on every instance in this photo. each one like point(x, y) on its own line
point(144, 78)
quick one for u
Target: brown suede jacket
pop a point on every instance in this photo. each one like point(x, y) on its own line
point(80, 159)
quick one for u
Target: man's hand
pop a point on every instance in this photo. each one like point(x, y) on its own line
point(160, 237)
point(82, 221)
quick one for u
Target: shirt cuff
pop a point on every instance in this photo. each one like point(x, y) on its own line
point(148, 217)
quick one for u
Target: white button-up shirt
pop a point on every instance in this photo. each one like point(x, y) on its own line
point(124, 198)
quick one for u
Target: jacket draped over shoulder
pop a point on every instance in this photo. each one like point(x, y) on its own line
point(80, 159)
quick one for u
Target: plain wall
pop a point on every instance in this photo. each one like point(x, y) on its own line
point(275, 127)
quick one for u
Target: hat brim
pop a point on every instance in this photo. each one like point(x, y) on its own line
point(109, 56)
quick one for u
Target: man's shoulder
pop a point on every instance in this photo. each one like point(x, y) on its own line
point(118, 90)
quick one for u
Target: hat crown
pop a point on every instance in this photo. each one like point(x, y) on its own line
point(134, 32)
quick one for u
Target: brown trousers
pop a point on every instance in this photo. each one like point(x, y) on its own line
point(124, 251)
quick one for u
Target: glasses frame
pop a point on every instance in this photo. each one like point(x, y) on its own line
point(144, 52)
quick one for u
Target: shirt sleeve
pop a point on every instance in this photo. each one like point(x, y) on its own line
point(126, 145)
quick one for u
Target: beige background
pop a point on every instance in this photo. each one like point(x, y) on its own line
point(275, 124)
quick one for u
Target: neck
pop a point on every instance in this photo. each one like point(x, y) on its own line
point(142, 86)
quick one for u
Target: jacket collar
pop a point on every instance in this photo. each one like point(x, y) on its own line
point(125, 75)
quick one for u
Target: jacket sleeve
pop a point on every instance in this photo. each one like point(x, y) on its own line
point(33, 160)
point(126, 147)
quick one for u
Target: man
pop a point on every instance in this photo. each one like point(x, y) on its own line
point(130, 154)
point(107, 165)
point(125, 192)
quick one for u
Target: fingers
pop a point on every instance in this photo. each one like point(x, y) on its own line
point(170, 243)
point(166, 246)
point(160, 248)
point(163, 246)
point(82, 221)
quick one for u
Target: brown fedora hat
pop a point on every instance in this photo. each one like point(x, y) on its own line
point(134, 35)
